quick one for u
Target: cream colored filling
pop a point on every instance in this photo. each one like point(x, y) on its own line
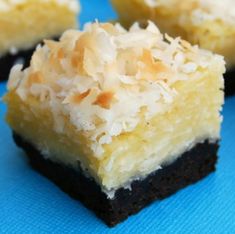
point(26, 23)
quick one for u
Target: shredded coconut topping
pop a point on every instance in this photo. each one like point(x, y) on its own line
point(202, 10)
point(106, 79)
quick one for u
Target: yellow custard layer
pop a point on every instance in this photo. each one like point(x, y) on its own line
point(119, 120)
point(25, 23)
point(208, 23)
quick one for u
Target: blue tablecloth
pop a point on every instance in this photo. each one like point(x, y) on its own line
point(29, 203)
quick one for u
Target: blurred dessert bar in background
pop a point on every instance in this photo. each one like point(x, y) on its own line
point(25, 23)
point(118, 118)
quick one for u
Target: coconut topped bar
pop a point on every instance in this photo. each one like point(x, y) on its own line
point(117, 104)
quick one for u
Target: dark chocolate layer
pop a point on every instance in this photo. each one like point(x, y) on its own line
point(9, 60)
point(229, 79)
point(189, 168)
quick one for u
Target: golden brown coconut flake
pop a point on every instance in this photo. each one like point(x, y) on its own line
point(104, 99)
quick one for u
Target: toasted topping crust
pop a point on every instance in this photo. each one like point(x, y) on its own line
point(77, 98)
point(107, 80)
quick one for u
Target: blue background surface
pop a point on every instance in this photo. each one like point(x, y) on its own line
point(29, 203)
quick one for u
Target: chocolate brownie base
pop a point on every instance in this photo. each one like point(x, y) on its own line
point(189, 168)
point(229, 79)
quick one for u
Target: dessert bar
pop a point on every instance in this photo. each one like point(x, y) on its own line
point(118, 118)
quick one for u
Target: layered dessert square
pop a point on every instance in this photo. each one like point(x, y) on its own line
point(118, 118)
point(207, 23)
point(26, 23)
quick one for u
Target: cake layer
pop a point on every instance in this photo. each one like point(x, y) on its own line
point(82, 101)
point(187, 169)
point(208, 23)
point(24, 23)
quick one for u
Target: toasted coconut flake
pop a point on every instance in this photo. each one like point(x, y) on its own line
point(77, 98)
point(84, 41)
point(35, 78)
point(104, 99)
point(52, 45)
point(60, 54)
point(110, 29)
point(77, 61)
point(151, 69)
point(15, 77)
point(185, 44)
